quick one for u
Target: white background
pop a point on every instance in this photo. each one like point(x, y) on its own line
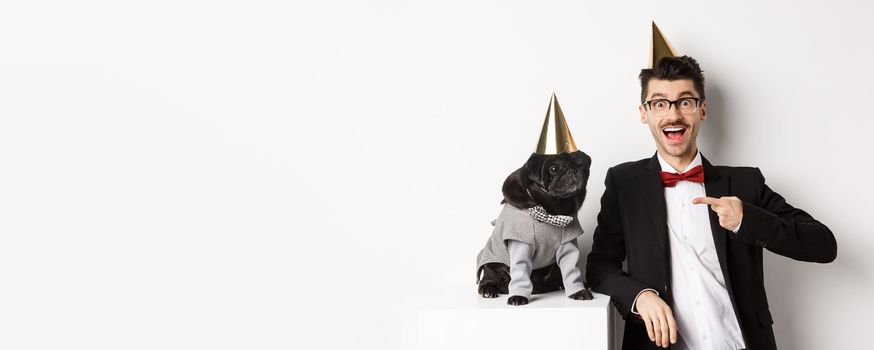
point(273, 175)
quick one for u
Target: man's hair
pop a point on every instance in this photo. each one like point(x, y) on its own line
point(673, 68)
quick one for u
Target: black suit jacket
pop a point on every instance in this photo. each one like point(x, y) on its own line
point(632, 227)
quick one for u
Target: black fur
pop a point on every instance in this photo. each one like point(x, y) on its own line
point(558, 183)
point(534, 184)
point(517, 300)
point(584, 294)
point(496, 278)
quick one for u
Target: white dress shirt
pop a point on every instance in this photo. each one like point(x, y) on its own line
point(702, 307)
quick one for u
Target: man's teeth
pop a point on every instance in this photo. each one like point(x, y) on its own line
point(673, 129)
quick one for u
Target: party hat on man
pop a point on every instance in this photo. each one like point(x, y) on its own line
point(659, 47)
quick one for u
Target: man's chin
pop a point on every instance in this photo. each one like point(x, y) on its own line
point(679, 150)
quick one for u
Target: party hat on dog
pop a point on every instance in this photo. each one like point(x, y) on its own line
point(555, 136)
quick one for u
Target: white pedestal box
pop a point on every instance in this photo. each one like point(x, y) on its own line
point(461, 319)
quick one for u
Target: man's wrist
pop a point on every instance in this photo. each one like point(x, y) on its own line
point(738, 226)
point(634, 304)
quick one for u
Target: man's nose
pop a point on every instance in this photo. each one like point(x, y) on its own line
point(674, 114)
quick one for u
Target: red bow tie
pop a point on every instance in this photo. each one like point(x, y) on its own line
point(695, 174)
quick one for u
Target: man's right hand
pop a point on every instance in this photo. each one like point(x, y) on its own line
point(660, 324)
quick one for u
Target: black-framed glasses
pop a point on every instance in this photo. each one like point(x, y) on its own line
point(661, 106)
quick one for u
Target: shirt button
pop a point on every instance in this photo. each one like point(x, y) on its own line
point(704, 336)
point(698, 302)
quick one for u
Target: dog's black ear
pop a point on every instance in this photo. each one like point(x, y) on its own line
point(582, 158)
point(535, 169)
point(515, 189)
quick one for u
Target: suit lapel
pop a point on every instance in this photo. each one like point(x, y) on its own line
point(653, 198)
point(717, 185)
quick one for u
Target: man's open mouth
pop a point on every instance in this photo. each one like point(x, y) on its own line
point(674, 133)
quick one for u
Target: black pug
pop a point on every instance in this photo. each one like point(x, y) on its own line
point(557, 184)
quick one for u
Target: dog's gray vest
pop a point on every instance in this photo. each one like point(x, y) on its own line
point(518, 224)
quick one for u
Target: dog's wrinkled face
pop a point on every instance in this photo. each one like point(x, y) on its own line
point(560, 175)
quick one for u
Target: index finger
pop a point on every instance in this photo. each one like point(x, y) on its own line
point(706, 200)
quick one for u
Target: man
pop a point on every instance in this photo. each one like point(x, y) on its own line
point(692, 233)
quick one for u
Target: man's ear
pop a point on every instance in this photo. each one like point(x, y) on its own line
point(644, 118)
point(703, 110)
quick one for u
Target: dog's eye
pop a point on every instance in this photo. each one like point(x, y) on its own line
point(554, 169)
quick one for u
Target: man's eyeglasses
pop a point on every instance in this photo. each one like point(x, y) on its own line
point(660, 107)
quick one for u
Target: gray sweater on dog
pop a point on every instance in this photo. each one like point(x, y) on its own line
point(524, 244)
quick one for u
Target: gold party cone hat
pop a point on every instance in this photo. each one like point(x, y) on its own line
point(659, 47)
point(555, 136)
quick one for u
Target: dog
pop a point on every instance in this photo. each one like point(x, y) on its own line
point(547, 191)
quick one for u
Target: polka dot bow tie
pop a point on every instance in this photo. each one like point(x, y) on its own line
point(540, 214)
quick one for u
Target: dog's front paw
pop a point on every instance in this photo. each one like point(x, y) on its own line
point(517, 300)
point(488, 291)
point(584, 294)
